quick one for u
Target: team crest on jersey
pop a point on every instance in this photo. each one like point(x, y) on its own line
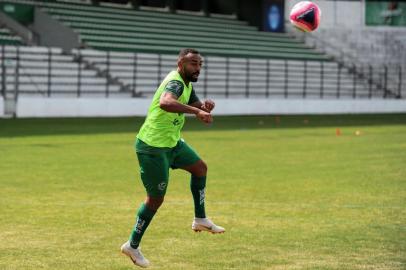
point(176, 122)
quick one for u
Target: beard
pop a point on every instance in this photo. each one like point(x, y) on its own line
point(192, 77)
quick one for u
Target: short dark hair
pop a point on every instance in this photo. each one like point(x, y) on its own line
point(184, 52)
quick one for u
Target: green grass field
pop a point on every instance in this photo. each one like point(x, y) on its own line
point(291, 194)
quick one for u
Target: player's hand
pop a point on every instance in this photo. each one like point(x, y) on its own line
point(204, 117)
point(208, 105)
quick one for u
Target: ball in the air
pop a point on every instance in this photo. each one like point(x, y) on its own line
point(305, 16)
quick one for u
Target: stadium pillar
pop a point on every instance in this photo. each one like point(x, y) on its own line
point(205, 7)
point(172, 5)
point(400, 83)
point(135, 4)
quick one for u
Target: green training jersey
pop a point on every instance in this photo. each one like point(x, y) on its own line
point(162, 128)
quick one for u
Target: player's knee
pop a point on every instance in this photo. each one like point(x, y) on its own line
point(202, 169)
point(154, 203)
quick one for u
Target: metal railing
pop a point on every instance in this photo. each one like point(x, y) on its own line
point(45, 72)
point(48, 72)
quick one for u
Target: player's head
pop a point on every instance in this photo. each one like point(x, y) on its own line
point(189, 64)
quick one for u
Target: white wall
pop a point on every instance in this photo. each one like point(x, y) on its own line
point(82, 107)
point(1, 107)
point(303, 106)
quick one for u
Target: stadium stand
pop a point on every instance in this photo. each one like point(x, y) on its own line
point(371, 46)
point(41, 71)
point(140, 74)
point(124, 57)
point(123, 29)
point(379, 54)
point(49, 72)
point(8, 38)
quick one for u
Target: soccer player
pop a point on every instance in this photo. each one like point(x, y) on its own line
point(159, 147)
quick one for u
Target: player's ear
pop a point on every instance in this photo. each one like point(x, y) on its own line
point(180, 62)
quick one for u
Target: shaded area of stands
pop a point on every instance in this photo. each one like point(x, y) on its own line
point(123, 29)
point(8, 38)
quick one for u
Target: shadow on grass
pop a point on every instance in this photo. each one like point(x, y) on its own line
point(72, 126)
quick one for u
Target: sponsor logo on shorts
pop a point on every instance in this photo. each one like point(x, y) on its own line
point(162, 186)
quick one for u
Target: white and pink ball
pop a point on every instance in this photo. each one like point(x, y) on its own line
point(305, 16)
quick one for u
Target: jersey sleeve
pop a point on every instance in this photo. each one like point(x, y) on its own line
point(175, 87)
point(193, 97)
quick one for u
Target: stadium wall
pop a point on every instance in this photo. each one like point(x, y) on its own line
point(1, 107)
point(86, 107)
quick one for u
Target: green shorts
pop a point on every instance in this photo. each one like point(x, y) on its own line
point(155, 163)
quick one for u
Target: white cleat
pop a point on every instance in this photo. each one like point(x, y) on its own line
point(135, 255)
point(205, 224)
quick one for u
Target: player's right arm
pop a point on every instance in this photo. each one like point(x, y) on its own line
point(169, 102)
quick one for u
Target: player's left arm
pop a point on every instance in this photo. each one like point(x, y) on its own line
point(207, 105)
